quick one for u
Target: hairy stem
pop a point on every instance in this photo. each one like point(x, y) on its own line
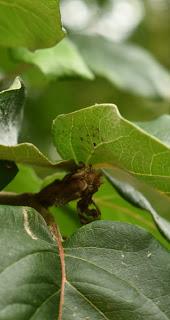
point(80, 184)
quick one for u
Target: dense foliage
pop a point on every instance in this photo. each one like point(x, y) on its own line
point(84, 160)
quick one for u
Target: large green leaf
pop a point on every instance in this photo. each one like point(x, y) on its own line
point(113, 271)
point(99, 135)
point(116, 271)
point(142, 196)
point(127, 66)
point(29, 266)
point(31, 24)
point(59, 61)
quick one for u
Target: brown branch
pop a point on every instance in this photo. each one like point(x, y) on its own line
point(56, 232)
point(14, 199)
point(80, 184)
point(27, 200)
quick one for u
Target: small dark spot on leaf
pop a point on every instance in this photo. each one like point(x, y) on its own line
point(94, 144)
point(81, 138)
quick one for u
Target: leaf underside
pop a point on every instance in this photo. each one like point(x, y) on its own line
point(99, 135)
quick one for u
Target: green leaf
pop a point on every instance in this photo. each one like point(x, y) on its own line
point(29, 266)
point(11, 102)
point(142, 196)
point(98, 135)
point(59, 61)
point(116, 271)
point(11, 110)
point(30, 24)
point(113, 270)
point(127, 66)
point(159, 128)
point(27, 153)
